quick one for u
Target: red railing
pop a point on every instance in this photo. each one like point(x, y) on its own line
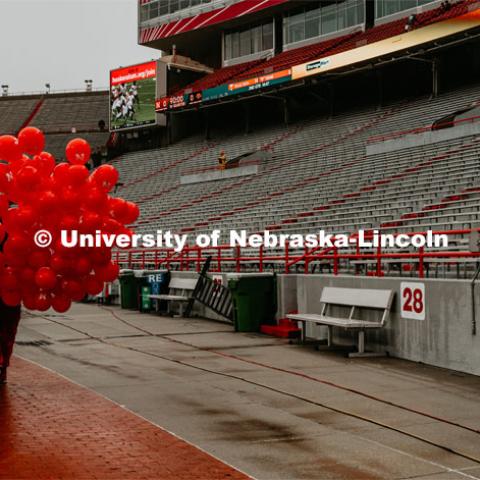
point(228, 258)
point(414, 131)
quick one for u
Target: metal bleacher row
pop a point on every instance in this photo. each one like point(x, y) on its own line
point(319, 177)
point(13, 113)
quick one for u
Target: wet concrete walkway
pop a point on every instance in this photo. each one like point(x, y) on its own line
point(270, 409)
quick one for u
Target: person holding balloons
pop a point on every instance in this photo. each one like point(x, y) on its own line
point(40, 196)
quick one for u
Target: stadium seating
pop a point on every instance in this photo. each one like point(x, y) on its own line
point(294, 192)
point(296, 56)
point(219, 76)
point(61, 117)
point(14, 113)
point(82, 112)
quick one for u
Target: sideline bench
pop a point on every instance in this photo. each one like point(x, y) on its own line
point(354, 298)
point(180, 290)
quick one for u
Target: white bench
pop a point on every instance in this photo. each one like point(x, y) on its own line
point(180, 290)
point(354, 298)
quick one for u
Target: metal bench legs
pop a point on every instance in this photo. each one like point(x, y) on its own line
point(361, 348)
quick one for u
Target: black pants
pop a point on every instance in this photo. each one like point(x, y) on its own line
point(9, 318)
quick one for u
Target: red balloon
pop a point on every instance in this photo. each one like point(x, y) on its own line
point(111, 226)
point(100, 256)
point(27, 177)
point(11, 298)
point(118, 208)
point(105, 177)
point(45, 278)
point(39, 258)
point(61, 303)
point(78, 151)
point(69, 198)
point(43, 301)
point(60, 172)
point(9, 148)
point(77, 174)
point(93, 285)
point(91, 221)
point(46, 163)
point(71, 287)
point(132, 214)
point(69, 222)
point(60, 265)
point(82, 266)
point(25, 217)
point(18, 244)
point(93, 197)
point(30, 301)
point(46, 201)
point(5, 179)
point(31, 140)
point(9, 279)
point(108, 273)
point(27, 275)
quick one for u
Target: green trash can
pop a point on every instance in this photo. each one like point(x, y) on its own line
point(128, 290)
point(254, 299)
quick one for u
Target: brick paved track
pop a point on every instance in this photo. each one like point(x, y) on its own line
point(51, 428)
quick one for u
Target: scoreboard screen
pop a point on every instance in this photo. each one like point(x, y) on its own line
point(132, 96)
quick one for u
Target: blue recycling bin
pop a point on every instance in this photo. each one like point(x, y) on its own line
point(154, 282)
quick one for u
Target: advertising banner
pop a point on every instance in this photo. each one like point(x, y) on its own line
point(388, 46)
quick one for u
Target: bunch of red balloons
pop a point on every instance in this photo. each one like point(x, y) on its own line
point(38, 194)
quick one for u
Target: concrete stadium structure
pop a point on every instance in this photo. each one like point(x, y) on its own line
point(334, 116)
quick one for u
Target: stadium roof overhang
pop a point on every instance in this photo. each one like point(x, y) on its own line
point(188, 33)
point(417, 45)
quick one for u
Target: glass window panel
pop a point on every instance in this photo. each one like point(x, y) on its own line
point(341, 17)
point(267, 33)
point(163, 7)
point(174, 6)
point(329, 20)
point(154, 10)
point(296, 28)
point(228, 46)
point(235, 45)
point(312, 23)
point(245, 43)
point(257, 39)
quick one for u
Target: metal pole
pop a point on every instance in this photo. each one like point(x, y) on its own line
point(260, 267)
point(287, 256)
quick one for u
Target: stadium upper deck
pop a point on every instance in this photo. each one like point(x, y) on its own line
point(272, 47)
point(226, 32)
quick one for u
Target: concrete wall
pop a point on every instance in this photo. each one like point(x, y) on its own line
point(443, 339)
point(213, 175)
point(425, 138)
